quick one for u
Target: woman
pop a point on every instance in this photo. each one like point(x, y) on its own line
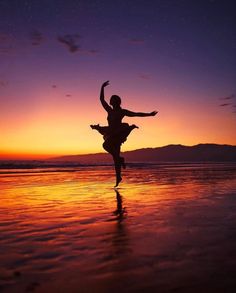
point(116, 132)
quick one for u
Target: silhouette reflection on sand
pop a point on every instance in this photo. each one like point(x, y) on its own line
point(120, 212)
point(172, 228)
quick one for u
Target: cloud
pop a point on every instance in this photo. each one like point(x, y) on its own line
point(36, 38)
point(135, 41)
point(145, 76)
point(6, 44)
point(228, 97)
point(91, 52)
point(68, 95)
point(70, 41)
point(54, 86)
point(4, 37)
point(6, 51)
point(229, 101)
point(225, 104)
point(3, 83)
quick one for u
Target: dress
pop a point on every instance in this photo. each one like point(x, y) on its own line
point(116, 132)
point(117, 135)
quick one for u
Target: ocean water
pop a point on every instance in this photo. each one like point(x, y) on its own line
point(168, 228)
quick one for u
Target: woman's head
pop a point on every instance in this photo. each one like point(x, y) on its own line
point(115, 101)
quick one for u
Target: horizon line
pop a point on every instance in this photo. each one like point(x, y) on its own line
point(30, 156)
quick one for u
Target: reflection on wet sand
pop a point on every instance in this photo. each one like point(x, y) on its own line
point(120, 211)
point(120, 237)
point(168, 228)
point(120, 244)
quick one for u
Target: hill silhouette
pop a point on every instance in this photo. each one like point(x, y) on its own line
point(169, 153)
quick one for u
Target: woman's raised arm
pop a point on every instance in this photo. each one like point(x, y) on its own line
point(102, 98)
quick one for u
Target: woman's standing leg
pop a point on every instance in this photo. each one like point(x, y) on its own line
point(117, 162)
point(114, 150)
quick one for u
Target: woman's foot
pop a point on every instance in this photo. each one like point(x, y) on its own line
point(96, 126)
point(118, 180)
point(122, 162)
point(134, 126)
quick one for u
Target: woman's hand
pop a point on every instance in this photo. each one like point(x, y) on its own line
point(106, 83)
point(153, 113)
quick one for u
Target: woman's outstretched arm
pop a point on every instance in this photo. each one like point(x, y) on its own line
point(139, 114)
point(102, 98)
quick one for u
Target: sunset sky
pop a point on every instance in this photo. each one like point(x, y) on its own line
point(176, 57)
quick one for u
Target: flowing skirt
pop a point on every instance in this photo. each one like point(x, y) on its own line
point(116, 135)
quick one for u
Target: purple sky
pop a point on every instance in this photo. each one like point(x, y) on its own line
point(174, 56)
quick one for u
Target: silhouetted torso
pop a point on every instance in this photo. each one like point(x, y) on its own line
point(115, 117)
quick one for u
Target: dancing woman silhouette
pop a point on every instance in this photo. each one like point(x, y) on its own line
point(116, 132)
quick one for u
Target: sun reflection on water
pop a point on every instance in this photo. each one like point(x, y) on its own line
point(60, 226)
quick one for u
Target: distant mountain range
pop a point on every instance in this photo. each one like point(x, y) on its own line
point(169, 153)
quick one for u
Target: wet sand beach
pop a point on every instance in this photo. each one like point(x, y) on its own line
point(168, 228)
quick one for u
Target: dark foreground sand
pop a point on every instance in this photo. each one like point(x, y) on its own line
point(167, 229)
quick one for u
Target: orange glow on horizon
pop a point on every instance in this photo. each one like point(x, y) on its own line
point(57, 128)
